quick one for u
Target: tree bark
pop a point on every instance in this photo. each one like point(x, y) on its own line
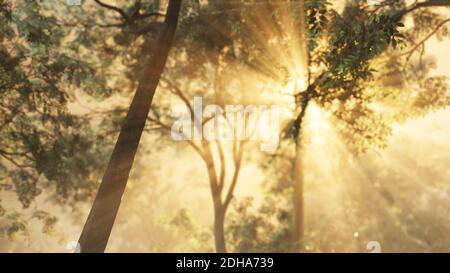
point(298, 198)
point(298, 214)
point(97, 229)
point(216, 193)
point(219, 229)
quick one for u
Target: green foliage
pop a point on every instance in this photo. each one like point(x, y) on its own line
point(265, 229)
point(345, 48)
point(182, 220)
point(12, 226)
point(43, 145)
point(193, 236)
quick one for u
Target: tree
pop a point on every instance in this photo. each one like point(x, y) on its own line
point(205, 52)
point(216, 46)
point(221, 190)
point(101, 218)
point(337, 75)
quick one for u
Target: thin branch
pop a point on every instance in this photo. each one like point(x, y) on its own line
point(14, 162)
point(422, 42)
point(90, 25)
point(426, 4)
point(237, 169)
point(179, 93)
point(168, 128)
point(116, 9)
point(222, 164)
point(25, 154)
point(430, 3)
point(207, 119)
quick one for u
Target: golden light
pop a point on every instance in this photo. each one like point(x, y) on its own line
point(317, 124)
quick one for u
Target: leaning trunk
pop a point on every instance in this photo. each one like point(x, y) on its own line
point(97, 229)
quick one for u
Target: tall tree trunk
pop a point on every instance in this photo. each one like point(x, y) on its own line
point(298, 217)
point(216, 193)
point(298, 197)
point(97, 229)
point(219, 228)
point(299, 207)
point(298, 201)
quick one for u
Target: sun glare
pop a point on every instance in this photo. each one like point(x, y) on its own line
point(317, 124)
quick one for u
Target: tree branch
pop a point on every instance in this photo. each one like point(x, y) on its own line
point(422, 42)
point(237, 169)
point(426, 4)
point(168, 128)
point(116, 9)
point(222, 164)
point(13, 161)
point(177, 91)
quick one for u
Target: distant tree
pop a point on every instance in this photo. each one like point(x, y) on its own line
point(217, 56)
point(204, 56)
point(222, 189)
